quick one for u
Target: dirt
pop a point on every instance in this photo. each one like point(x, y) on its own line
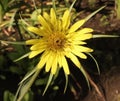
point(109, 85)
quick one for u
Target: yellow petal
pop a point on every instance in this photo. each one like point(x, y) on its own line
point(85, 30)
point(77, 42)
point(82, 55)
point(45, 31)
point(46, 16)
point(49, 62)
point(35, 53)
point(65, 65)
point(32, 41)
point(76, 26)
point(44, 58)
point(54, 65)
point(83, 36)
point(83, 49)
point(53, 16)
point(59, 59)
point(44, 23)
point(35, 30)
point(79, 54)
point(74, 59)
point(59, 25)
point(66, 19)
point(38, 46)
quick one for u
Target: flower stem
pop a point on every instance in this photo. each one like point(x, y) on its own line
point(117, 8)
point(1, 14)
point(54, 7)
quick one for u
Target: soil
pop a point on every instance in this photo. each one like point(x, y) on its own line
point(109, 85)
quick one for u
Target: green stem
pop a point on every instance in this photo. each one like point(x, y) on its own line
point(1, 14)
point(54, 6)
point(2, 11)
point(117, 8)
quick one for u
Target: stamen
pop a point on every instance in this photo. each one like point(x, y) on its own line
point(56, 41)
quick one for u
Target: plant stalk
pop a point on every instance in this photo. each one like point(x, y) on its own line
point(1, 14)
point(117, 9)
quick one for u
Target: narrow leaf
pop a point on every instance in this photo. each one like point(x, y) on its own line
point(25, 87)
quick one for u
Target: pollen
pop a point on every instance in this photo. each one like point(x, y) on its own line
point(56, 41)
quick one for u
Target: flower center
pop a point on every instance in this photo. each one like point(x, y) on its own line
point(56, 41)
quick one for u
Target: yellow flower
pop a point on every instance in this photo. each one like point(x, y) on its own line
point(59, 40)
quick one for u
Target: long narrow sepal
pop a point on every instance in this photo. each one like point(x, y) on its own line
point(48, 83)
point(72, 6)
point(92, 14)
point(22, 57)
point(105, 36)
point(95, 62)
point(28, 75)
point(66, 82)
point(85, 75)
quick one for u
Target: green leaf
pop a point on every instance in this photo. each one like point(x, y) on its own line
point(25, 86)
point(3, 23)
point(11, 21)
point(15, 70)
point(34, 15)
point(18, 51)
point(28, 96)
point(41, 81)
point(8, 96)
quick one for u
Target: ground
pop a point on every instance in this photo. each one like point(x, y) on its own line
point(109, 85)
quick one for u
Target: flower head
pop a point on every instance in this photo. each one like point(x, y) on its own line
point(59, 40)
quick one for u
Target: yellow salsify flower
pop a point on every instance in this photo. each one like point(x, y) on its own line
point(59, 40)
